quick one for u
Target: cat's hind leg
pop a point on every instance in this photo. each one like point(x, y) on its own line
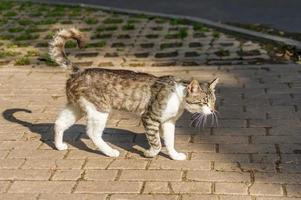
point(68, 116)
point(96, 122)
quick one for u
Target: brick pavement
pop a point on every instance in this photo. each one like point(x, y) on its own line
point(254, 153)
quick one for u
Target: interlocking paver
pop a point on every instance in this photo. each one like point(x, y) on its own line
point(4, 186)
point(28, 174)
point(218, 176)
point(128, 164)
point(234, 197)
point(41, 187)
point(266, 189)
point(108, 187)
point(180, 165)
point(191, 187)
point(156, 188)
point(278, 178)
point(254, 153)
point(293, 190)
point(231, 188)
point(199, 196)
point(144, 197)
point(11, 163)
point(100, 174)
point(221, 157)
point(153, 175)
point(66, 175)
point(12, 196)
point(278, 198)
point(98, 163)
point(73, 196)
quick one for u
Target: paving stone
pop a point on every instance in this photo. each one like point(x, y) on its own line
point(277, 198)
point(98, 163)
point(11, 163)
point(128, 164)
point(144, 197)
point(234, 197)
point(293, 190)
point(28, 174)
point(218, 176)
point(239, 131)
point(225, 157)
point(216, 139)
point(264, 158)
point(39, 164)
point(3, 154)
point(41, 187)
point(19, 145)
point(69, 164)
point(73, 196)
point(156, 188)
point(290, 168)
point(80, 154)
point(4, 186)
point(239, 167)
point(191, 147)
point(248, 148)
point(12, 196)
point(199, 196)
point(62, 175)
point(260, 189)
point(154, 175)
point(180, 165)
point(191, 187)
point(291, 158)
point(290, 148)
point(34, 154)
point(100, 174)
point(231, 188)
point(276, 139)
point(277, 178)
point(108, 187)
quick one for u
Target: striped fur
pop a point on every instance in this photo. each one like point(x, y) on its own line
point(57, 47)
point(95, 92)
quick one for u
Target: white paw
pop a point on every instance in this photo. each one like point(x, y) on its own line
point(178, 156)
point(61, 146)
point(113, 153)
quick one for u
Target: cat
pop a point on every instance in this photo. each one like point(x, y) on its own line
point(94, 92)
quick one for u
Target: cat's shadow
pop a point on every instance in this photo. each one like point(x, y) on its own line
point(75, 133)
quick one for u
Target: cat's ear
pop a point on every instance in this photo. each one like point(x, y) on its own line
point(193, 87)
point(213, 83)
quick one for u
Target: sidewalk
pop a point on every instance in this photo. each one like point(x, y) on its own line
point(253, 154)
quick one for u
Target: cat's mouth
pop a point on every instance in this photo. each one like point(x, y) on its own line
point(200, 119)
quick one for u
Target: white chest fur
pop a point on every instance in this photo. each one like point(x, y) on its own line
point(174, 106)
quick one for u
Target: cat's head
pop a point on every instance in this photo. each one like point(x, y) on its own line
point(200, 97)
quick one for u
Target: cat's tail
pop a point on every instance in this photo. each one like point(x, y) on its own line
point(57, 47)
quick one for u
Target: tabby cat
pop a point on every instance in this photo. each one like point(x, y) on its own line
point(94, 92)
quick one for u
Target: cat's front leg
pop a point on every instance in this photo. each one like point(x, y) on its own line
point(153, 136)
point(168, 129)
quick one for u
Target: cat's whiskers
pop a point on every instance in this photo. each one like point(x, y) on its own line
point(216, 118)
point(201, 121)
point(194, 118)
